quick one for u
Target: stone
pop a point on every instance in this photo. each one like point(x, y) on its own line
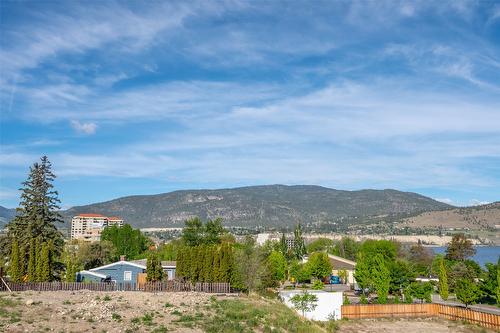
point(30, 302)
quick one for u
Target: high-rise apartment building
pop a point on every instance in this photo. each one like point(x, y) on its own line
point(89, 227)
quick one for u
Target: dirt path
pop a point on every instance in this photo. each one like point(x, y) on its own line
point(405, 325)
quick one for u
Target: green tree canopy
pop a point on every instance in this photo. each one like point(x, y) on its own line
point(321, 244)
point(38, 211)
point(154, 270)
point(421, 291)
point(277, 266)
point(196, 233)
point(443, 280)
point(319, 265)
point(467, 291)
point(381, 277)
point(126, 241)
point(299, 247)
point(459, 248)
point(304, 302)
point(347, 248)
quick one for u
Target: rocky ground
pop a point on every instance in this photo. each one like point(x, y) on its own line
point(86, 311)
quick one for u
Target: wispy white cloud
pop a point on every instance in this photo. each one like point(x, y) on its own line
point(445, 200)
point(85, 128)
point(476, 202)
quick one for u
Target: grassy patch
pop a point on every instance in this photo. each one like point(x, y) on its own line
point(8, 311)
point(116, 316)
point(255, 314)
point(107, 298)
point(147, 319)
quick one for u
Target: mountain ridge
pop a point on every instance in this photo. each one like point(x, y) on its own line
point(262, 205)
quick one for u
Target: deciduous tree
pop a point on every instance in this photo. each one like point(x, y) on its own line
point(304, 302)
point(319, 265)
point(467, 292)
point(459, 248)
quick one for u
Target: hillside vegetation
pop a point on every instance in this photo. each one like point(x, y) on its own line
point(485, 217)
point(268, 206)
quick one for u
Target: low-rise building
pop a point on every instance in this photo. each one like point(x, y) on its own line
point(339, 264)
point(133, 271)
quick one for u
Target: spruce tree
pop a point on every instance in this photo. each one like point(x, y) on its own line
point(38, 211)
point(45, 265)
point(32, 261)
point(14, 272)
point(443, 280)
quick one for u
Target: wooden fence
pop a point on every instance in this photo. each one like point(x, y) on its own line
point(167, 286)
point(386, 310)
point(488, 320)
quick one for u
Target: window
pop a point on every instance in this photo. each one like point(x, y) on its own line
point(127, 276)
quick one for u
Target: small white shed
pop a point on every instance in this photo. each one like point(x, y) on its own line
point(328, 306)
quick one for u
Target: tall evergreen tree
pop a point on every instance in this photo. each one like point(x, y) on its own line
point(216, 265)
point(39, 259)
point(153, 268)
point(15, 261)
point(22, 262)
point(32, 261)
point(283, 245)
point(208, 263)
point(299, 247)
point(45, 265)
point(443, 280)
point(38, 211)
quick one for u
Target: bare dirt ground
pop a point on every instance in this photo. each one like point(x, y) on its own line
point(127, 312)
point(407, 325)
point(85, 311)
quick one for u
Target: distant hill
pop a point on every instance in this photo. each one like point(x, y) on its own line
point(267, 206)
point(474, 218)
point(6, 214)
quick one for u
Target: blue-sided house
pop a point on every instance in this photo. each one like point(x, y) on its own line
point(123, 271)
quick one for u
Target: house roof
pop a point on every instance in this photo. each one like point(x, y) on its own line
point(341, 263)
point(164, 264)
point(121, 262)
point(102, 276)
point(90, 215)
point(115, 218)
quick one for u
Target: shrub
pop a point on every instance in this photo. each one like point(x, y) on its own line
point(318, 285)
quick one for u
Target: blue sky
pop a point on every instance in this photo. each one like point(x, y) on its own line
point(140, 98)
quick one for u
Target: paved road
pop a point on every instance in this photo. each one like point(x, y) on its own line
point(478, 307)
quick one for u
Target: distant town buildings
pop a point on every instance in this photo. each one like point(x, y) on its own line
point(88, 227)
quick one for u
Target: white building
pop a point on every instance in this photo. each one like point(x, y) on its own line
point(88, 227)
point(328, 306)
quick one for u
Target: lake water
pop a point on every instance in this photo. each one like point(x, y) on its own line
point(483, 254)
